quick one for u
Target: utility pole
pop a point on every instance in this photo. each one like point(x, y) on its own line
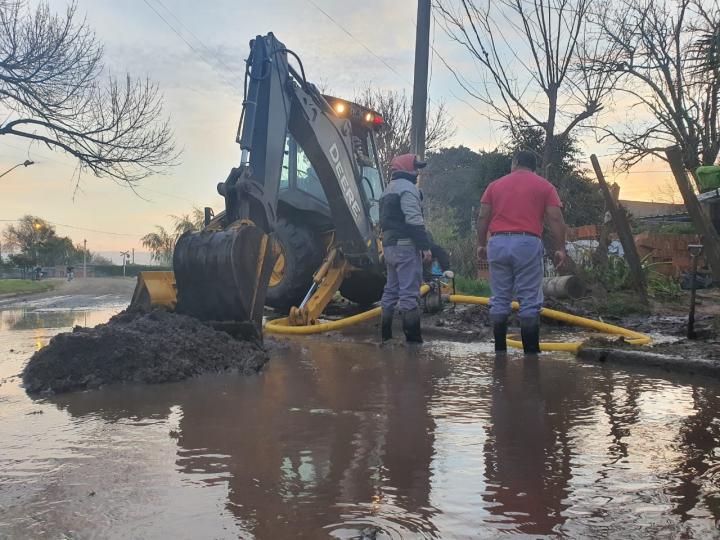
point(133, 255)
point(125, 256)
point(84, 258)
point(420, 81)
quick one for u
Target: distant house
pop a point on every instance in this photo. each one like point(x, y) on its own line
point(644, 209)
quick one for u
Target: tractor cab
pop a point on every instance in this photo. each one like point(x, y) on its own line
point(305, 227)
point(300, 186)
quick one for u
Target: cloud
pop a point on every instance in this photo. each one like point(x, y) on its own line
point(202, 85)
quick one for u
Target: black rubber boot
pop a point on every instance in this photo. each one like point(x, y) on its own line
point(500, 333)
point(386, 325)
point(411, 326)
point(530, 333)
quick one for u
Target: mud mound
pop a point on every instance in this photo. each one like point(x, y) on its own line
point(151, 347)
point(463, 317)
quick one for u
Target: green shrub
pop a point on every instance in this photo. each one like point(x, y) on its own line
point(472, 286)
point(461, 248)
point(616, 276)
point(131, 270)
point(662, 286)
point(22, 286)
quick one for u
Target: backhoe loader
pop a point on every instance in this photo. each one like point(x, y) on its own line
point(301, 209)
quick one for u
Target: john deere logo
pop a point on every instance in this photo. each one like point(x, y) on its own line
point(350, 198)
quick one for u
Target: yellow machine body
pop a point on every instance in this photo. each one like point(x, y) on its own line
point(326, 282)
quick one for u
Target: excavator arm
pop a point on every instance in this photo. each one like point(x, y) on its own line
point(224, 274)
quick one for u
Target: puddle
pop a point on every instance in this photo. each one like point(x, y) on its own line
point(344, 439)
point(23, 319)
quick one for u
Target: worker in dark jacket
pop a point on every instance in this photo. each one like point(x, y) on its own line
point(405, 246)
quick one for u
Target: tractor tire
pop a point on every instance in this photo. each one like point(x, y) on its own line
point(363, 288)
point(301, 254)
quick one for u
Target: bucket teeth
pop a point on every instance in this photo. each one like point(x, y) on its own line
point(223, 275)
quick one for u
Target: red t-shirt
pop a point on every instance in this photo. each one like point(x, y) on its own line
point(518, 202)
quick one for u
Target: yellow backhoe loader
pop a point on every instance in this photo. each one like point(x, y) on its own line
point(301, 209)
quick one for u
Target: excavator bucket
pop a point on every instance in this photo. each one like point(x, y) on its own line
point(224, 275)
point(154, 289)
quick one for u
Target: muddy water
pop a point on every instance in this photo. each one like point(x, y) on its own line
point(343, 439)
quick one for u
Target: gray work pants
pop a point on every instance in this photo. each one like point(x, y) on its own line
point(516, 271)
point(404, 276)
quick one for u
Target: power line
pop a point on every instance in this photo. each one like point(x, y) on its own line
point(358, 41)
point(194, 35)
point(192, 47)
point(171, 27)
point(647, 172)
point(180, 197)
point(377, 56)
point(35, 152)
point(138, 188)
point(56, 224)
point(94, 230)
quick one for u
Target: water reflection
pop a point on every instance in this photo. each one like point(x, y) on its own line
point(308, 444)
point(698, 446)
point(345, 439)
point(31, 319)
point(527, 453)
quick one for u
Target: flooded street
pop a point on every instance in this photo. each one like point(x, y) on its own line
point(344, 439)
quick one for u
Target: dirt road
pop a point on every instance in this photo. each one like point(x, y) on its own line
point(76, 294)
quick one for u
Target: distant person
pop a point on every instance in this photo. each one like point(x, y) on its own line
point(70, 272)
point(513, 209)
point(405, 246)
point(38, 273)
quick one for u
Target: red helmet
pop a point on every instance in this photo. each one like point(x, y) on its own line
point(406, 163)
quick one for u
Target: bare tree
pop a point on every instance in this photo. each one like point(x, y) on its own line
point(667, 57)
point(534, 60)
point(396, 110)
point(50, 92)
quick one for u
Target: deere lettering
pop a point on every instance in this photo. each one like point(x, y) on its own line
point(344, 183)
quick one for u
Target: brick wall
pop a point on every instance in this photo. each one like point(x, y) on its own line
point(669, 248)
point(659, 248)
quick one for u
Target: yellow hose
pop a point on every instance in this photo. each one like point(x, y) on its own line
point(280, 326)
point(632, 337)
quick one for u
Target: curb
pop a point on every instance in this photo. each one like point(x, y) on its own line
point(667, 362)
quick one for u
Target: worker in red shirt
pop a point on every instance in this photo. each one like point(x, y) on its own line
point(513, 209)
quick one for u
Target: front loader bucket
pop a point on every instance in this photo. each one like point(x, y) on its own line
point(224, 275)
point(154, 289)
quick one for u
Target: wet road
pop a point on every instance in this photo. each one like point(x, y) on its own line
point(345, 440)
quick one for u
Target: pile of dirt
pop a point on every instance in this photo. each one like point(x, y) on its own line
point(457, 323)
point(464, 316)
point(134, 347)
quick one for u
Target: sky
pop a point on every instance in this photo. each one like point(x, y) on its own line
point(195, 52)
